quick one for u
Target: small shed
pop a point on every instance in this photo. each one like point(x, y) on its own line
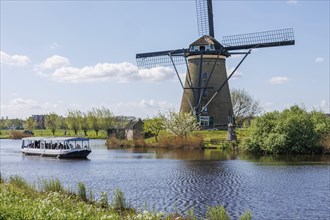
point(134, 130)
point(118, 133)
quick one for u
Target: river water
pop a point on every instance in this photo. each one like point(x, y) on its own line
point(286, 187)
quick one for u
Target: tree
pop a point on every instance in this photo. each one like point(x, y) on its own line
point(180, 124)
point(62, 123)
point(93, 121)
point(8, 124)
point(73, 120)
point(153, 126)
point(30, 124)
point(105, 118)
point(2, 124)
point(292, 131)
point(52, 122)
point(84, 122)
point(121, 121)
point(244, 106)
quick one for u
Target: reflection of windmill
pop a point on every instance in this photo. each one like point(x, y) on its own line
point(206, 91)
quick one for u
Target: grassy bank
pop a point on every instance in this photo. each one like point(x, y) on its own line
point(204, 139)
point(7, 134)
point(20, 200)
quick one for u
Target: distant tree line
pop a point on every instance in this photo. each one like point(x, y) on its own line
point(11, 124)
point(96, 119)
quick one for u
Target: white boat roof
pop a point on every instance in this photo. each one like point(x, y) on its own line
point(56, 139)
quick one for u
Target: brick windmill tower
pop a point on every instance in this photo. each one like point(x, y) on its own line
point(205, 90)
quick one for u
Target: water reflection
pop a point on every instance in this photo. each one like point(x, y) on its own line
point(272, 187)
point(287, 159)
point(193, 154)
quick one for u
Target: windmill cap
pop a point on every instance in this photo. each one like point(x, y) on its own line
point(207, 40)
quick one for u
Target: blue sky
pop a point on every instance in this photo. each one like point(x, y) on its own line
point(60, 55)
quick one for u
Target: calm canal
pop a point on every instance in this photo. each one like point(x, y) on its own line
point(287, 187)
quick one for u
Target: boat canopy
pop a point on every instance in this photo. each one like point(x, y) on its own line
point(53, 139)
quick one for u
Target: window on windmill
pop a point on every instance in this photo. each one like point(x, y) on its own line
point(204, 121)
point(202, 48)
point(209, 47)
point(194, 48)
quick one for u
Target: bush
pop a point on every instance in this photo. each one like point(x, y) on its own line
point(18, 182)
point(139, 143)
point(113, 142)
point(246, 215)
point(53, 186)
point(18, 135)
point(292, 131)
point(193, 141)
point(217, 213)
point(104, 200)
point(119, 200)
point(82, 192)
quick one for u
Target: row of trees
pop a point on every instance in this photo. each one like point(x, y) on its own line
point(11, 124)
point(97, 119)
point(244, 106)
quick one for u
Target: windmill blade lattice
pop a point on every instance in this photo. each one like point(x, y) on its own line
point(160, 58)
point(272, 38)
point(204, 17)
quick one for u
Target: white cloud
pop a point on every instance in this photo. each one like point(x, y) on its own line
point(319, 60)
point(142, 108)
point(58, 69)
point(53, 62)
point(19, 107)
point(279, 80)
point(14, 60)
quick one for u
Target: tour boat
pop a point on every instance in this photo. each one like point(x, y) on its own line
point(59, 147)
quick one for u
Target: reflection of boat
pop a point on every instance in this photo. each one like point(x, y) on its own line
point(59, 147)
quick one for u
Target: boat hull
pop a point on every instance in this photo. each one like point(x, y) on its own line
point(63, 154)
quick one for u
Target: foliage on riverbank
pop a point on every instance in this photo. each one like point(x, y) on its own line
point(18, 134)
point(203, 139)
point(20, 200)
point(292, 131)
point(164, 141)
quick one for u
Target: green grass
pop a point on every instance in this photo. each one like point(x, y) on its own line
point(53, 186)
point(5, 134)
point(19, 200)
point(217, 138)
point(212, 138)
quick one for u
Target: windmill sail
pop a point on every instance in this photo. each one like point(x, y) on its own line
point(160, 58)
point(272, 38)
point(205, 17)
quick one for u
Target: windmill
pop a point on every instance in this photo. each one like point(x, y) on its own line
point(206, 91)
